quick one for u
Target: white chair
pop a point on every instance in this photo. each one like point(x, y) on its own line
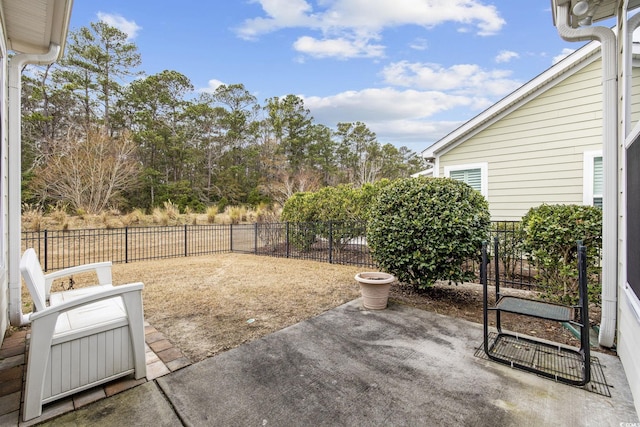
point(83, 338)
point(41, 290)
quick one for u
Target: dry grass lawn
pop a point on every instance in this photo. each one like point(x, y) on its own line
point(208, 304)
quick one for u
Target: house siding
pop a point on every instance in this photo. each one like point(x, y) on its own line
point(535, 152)
point(4, 162)
point(628, 346)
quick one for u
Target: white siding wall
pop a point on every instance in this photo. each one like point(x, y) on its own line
point(535, 153)
point(628, 321)
point(628, 345)
point(4, 284)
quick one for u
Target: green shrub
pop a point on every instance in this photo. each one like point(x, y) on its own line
point(424, 229)
point(329, 213)
point(300, 210)
point(298, 207)
point(222, 204)
point(365, 197)
point(510, 235)
point(551, 233)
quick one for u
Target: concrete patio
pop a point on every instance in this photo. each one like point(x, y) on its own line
point(351, 367)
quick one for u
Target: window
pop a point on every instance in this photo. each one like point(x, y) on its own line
point(597, 181)
point(473, 174)
point(593, 179)
point(632, 197)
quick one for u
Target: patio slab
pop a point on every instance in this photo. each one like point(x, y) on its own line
point(399, 366)
point(140, 406)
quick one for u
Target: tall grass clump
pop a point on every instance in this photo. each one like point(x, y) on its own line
point(172, 210)
point(59, 214)
point(134, 217)
point(212, 211)
point(237, 214)
point(160, 216)
point(32, 218)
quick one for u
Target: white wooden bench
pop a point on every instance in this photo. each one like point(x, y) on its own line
point(82, 338)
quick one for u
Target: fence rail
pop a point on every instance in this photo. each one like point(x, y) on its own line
point(332, 242)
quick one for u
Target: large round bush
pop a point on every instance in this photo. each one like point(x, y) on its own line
point(424, 229)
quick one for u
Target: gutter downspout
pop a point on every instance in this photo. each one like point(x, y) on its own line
point(14, 221)
point(607, 39)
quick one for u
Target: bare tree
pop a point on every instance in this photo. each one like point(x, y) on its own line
point(89, 173)
point(280, 182)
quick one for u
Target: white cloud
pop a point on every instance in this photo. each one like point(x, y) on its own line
point(506, 56)
point(374, 105)
point(422, 102)
point(359, 21)
point(412, 118)
point(565, 52)
point(419, 44)
point(130, 28)
point(462, 79)
point(280, 14)
point(414, 134)
point(212, 85)
point(341, 48)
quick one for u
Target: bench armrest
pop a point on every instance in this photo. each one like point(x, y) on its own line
point(102, 269)
point(87, 299)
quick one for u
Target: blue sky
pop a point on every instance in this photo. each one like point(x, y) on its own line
point(412, 70)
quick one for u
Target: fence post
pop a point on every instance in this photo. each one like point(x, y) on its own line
point(255, 238)
point(287, 237)
point(330, 242)
point(126, 245)
point(186, 253)
point(46, 252)
point(231, 237)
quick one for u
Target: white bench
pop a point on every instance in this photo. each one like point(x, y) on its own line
point(83, 338)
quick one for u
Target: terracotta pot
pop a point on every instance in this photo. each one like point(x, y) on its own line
point(375, 289)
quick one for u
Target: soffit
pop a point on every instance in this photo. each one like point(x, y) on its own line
point(32, 26)
point(599, 9)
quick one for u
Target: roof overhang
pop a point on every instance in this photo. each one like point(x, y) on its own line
point(583, 12)
point(581, 57)
point(32, 26)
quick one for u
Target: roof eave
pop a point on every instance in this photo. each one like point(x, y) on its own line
point(516, 96)
point(44, 29)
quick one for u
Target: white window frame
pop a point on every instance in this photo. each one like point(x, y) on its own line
point(587, 176)
point(484, 170)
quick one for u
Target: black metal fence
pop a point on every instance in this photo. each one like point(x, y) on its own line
point(337, 243)
point(332, 242)
point(515, 270)
point(67, 248)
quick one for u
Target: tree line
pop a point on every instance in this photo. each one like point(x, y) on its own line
point(99, 133)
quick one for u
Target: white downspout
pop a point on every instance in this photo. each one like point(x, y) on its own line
point(607, 39)
point(14, 222)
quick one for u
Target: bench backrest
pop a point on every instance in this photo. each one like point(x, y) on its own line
point(34, 277)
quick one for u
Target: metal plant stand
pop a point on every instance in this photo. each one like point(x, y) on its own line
point(562, 363)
